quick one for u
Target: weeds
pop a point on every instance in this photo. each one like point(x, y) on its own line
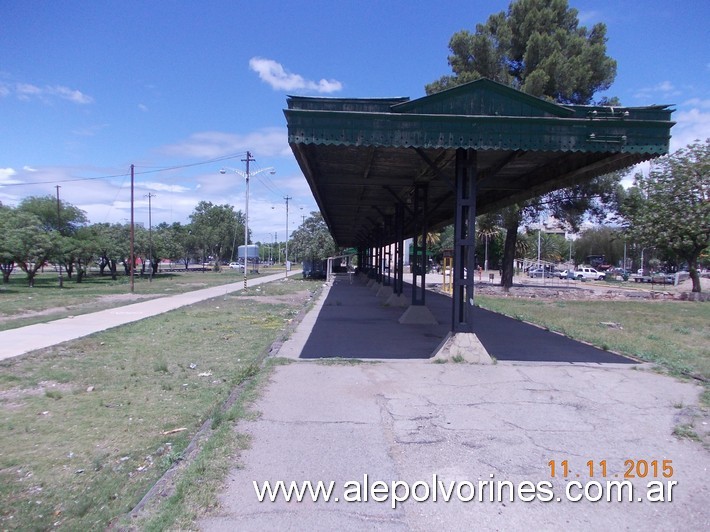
point(138, 394)
point(686, 431)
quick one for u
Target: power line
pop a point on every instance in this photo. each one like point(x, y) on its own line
point(126, 174)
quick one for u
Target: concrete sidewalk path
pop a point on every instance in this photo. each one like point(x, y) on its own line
point(22, 340)
point(414, 421)
point(418, 422)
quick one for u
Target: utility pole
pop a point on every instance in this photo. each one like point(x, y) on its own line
point(132, 253)
point(59, 232)
point(150, 237)
point(287, 233)
point(246, 219)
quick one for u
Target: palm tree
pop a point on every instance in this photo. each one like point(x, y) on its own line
point(487, 228)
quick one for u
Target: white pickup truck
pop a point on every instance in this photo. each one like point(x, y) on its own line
point(583, 273)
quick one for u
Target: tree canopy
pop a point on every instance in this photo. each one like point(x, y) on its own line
point(32, 238)
point(216, 228)
point(670, 207)
point(538, 47)
point(312, 240)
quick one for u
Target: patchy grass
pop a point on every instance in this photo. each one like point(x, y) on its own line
point(87, 427)
point(46, 301)
point(673, 334)
point(686, 431)
point(340, 361)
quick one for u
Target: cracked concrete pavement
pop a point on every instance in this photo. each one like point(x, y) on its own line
point(410, 420)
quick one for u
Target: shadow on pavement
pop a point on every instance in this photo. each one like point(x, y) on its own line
point(354, 323)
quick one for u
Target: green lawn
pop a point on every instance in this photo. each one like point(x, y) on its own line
point(674, 334)
point(21, 305)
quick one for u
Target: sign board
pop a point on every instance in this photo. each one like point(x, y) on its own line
point(252, 252)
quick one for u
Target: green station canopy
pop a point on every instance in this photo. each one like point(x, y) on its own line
point(363, 156)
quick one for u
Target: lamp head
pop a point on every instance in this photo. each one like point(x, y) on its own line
point(222, 171)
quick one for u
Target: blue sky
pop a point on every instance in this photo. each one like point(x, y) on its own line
point(88, 88)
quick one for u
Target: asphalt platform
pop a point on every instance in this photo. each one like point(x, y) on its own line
point(354, 323)
point(409, 426)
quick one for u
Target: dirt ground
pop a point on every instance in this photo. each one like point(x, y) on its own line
point(524, 287)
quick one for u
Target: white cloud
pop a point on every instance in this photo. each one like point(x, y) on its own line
point(698, 102)
point(267, 142)
point(72, 95)
point(590, 17)
point(25, 91)
point(279, 78)
point(691, 125)
point(664, 89)
point(176, 192)
point(29, 169)
point(6, 176)
point(163, 187)
point(28, 91)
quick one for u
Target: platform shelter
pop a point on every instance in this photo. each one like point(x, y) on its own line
point(383, 170)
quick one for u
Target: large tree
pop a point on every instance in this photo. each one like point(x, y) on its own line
point(26, 241)
point(84, 248)
point(538, 47)
point(312, 240)
point(61, 217)
point(113, 241)
point(216, 228)
point(670, 207)
point(7, 254)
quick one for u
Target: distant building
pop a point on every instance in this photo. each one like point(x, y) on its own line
point(553, 226)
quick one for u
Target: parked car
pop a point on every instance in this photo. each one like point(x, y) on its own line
point(236, 266)
point(584, 273)
point(539, 272)
point(566, 274)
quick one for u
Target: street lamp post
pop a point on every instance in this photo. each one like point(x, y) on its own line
point(287, 233)
point(246, 175)
point(287, 198)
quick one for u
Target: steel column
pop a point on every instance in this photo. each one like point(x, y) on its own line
point(464, 241)
point(420, 223)
point(387, 256)
point(399, 249)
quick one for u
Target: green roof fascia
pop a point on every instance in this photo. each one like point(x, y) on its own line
point(648, 113)
point(478, 132)
point(364, 105)
point(492, 93)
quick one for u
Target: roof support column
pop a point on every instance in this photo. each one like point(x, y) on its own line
point(418, 313)
point(398, 248)
point(419, 266)
point(464, 240)
point(370, 262)
point(387, 255)
point(380, 261)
